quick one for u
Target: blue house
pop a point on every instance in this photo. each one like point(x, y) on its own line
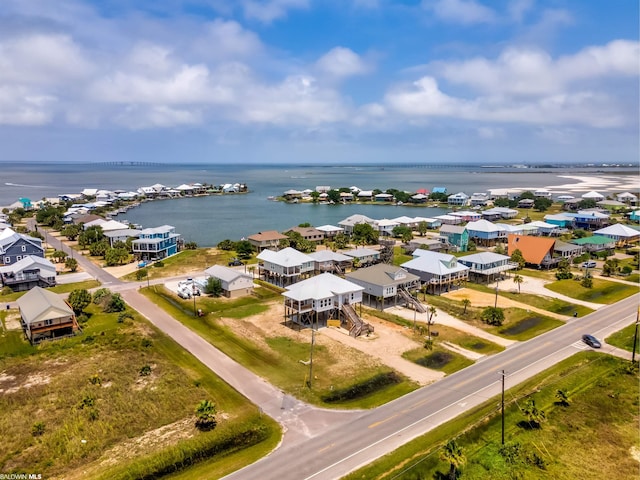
point(26, 203)
point(156, 243)
point(456, 236)
point(635, 216)
point(483, 232)
point(15, 246)
point(562, 221)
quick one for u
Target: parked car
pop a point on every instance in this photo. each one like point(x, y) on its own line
point(589, 264)
point(235, 262)
point(592, 341)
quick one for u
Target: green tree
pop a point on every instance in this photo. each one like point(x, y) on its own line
point(115, 304)
point(564, 270)
point(79, 300)
point(99, 249)
point(527, 195)
point(587, 281)
point(206, 416)
point(453, 454)
point(518, 279)
point(492, 316)
point(226, 245)
point(611, 267)
point(213, 287)
point(534, 415)
point(116, 256)
point(364, 234)
point(422, 228)
point(71, 231)
point(499, 249)
point(244, 249)
point(432, 313)
point(465, 303)
point(562, 398)
point(333, 195)
point(341, 241)
point(542, 204)
point(71, 264)
point(403, 232)
point(315, 196)
point(518, 258)
point(141, 274)
point(59, 256)
point(501, 202)
point(190, 246)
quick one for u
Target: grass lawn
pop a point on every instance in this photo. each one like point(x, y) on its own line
point(187, 261)
point(603, 291)
point(624, 339)
point(549, 304)
point(634, 277)
point(522, 325)
point(438, 359)
point(587, 439)
point(85, 407)
point(66, 288)
point(279, 359)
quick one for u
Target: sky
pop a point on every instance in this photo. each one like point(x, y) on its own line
point(320, 81)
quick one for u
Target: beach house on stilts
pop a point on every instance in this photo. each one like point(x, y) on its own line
point(325, 300)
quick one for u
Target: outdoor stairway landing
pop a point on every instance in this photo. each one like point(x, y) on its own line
point(355, 324)
point(414, 302)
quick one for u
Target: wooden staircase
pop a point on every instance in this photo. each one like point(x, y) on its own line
point(355, 324)
point(414, 302)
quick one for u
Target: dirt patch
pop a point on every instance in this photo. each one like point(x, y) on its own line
point(11, 385)
point(12, 320)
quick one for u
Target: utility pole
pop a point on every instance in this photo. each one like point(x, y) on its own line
point(635, 336)
point(502, 405)
point(495, 304)
point(313, 340)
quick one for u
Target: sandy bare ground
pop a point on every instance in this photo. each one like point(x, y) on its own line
point(384, 347)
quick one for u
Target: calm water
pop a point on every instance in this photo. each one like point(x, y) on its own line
point(208, 220)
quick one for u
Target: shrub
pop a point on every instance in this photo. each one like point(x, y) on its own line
point(37, 429)
point(145, 371)
point(100, 294)
point(95, 379)
point(159, 264)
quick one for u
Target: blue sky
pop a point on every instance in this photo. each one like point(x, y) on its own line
point(319, 81)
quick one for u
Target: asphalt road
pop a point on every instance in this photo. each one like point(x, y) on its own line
point(355, 443)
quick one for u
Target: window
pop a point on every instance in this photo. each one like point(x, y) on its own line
point(7, 260)
point(24, 248)
point(48, 321)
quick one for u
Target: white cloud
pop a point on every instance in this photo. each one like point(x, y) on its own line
point(519, 8)
point(21, 107)
point(342, 62)
point(227, 40)
point(526, 71)
point(465, 12)
point(267, 11)
point(156, 116)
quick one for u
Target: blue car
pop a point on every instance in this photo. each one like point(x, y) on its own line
point(592, 341)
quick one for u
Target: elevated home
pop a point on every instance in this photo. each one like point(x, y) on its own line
point(121, 235)
point(156, 243)
point(290, 195)
point(627, 198)
point(363, 257)
point(310, 234)
point(485, 233)
point(567, 250)
point(384, 284)
point(27, 273)
point(439, 272)
point(269, 239)
point(635, 216)
point(543, 228)
point(542, 193)
point(45, 315)
point(15, 246)
point(430, 222)
point(560, 219)
point(234, 283)
point(512, 229)
point(383, 197)
point(589, 219)
point(496, 213)
point(496, 193)
point(284, 267)
point(595, 196)
point(419, 198)
point(467, 216)
point(459, 199)
point(486, 267)
point(449, 220)
point(346, 197)
point(479, 199)
point(332, 262)
point(424, 243)
point(409, 222)
point(385, 227)
point(571, 204)
point(106, 225)
point(365, 195)
point(455, 236)
point(317, 300)
point(348, 223)
point(526, 203)
point(621, 234)
point(595, 243)
point(535, 250)
point(330, 231)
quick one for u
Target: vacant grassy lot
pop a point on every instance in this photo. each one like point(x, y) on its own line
point(116, 401)
point(66, 288)
point(438, 359)
point(234, 326)
point(624, 339)
point(592, 437)
point(603, 291)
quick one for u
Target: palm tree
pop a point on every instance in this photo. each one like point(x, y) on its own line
point(432, 313)
point(517, 279)
point(562, 398)
point(205, 413)
point(534, 415)
point(453, 455)
point(465, 303)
